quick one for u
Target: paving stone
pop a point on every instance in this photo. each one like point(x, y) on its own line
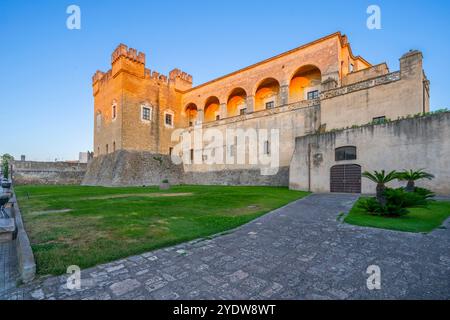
point(38, 294)
point(115, 268)
point(125, 286)
point(297, 252)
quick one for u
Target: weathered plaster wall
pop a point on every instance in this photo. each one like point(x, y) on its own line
point(414, 143)
point(31, 172)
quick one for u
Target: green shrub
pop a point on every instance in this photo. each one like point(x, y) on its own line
point(391, 209)
point(370, 205)
point(397, 202)
point(400, 198)
point(425, 193)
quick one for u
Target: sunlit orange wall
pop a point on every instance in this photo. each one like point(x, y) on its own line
point(301, 82)
point(191, 115)
point(266, 92)
point(210, 112)
point(233, 105)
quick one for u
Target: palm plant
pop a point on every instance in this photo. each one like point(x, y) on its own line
point(381, 178)
point(412, 176)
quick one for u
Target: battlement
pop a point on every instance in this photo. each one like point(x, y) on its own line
point(156, 76)
point(177, 73)
point(98, 75)
point(129, 53)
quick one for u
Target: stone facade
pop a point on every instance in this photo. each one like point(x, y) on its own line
point(412, 143)
point(316, 87)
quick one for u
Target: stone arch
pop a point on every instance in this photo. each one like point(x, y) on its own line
point(191, 112)
point(237, 100)
point(306, 79)
point(266, 94)
point(212, 109)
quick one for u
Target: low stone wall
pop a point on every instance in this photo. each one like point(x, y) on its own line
point(250, 177)
point(415, 143)
point(33, 172)
point(137, 168)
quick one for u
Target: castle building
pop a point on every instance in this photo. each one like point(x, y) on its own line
point(318, 87)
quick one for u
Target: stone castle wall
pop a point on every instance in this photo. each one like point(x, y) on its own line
point(140, 168)
point(132, 168)
point(32, 172)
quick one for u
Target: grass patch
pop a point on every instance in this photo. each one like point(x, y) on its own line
point(98, 224)
point(423, 219)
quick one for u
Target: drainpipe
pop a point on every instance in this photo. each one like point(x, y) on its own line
point(309, 167)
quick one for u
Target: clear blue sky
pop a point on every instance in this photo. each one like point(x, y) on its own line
point(46, 103)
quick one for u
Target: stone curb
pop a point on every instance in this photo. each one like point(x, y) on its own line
point(27, 264)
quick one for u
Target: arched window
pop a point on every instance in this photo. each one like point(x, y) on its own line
point(345, 153)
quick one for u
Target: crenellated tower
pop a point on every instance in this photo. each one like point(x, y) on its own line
point(136, 108)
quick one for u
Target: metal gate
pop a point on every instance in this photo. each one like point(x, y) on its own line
point(346, 178)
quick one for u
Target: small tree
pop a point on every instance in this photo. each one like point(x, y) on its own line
point(411, 176)
point(380, 178)
point(6, 159)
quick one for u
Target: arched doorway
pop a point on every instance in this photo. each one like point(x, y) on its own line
point(345, 178)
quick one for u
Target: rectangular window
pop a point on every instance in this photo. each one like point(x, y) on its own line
point(170, 151)
point(266, 147)
point(379, 119)
point(270, 105)
point(146, 113)
point(352, 67)
point(114, 114)
point(345, 153)
point(217, 117)
point(313, 95)
point(169, 119)
point(192, 154)
point(242, 111)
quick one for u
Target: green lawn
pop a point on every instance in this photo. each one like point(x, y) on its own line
point(85, 226)
point(417, 220)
